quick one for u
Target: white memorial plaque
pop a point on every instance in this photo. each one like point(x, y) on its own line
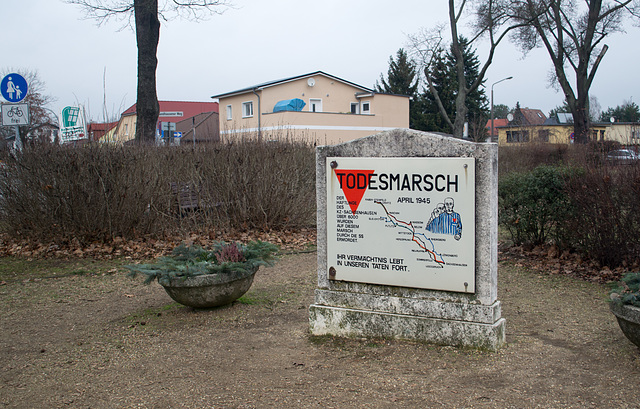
point(407, 222)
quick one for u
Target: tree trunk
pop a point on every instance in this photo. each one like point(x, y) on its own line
point(456, 49)
point(147, 37)
point(461, 116)
point(581, 122)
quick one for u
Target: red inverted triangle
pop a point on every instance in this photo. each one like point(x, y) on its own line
point(354, 184)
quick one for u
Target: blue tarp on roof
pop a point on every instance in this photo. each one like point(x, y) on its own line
point(295, 104)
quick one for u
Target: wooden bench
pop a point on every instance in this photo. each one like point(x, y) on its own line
point(187, 195)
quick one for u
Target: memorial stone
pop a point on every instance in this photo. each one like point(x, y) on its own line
point(407, 240)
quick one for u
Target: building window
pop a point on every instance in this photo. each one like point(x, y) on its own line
point(315, 105)
point(543, 135)
point(366, 108)
point(355, 108)
point(229, 113)
point(247, 109)
point(126, 129)
point(517, 136)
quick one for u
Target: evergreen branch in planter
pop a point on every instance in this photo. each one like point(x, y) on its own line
point(628, 290)
point(222, 258)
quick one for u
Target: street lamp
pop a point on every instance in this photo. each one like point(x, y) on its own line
point(57, 120)
point(497, 82)
point(54, 114)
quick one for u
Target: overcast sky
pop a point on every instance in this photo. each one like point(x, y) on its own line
point(258, 41)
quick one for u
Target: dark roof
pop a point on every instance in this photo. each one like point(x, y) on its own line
point(283, 80)
point(533, 116)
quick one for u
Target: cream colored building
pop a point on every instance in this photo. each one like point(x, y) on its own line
point(624, 133)
point(174, 112)
point(324, 109)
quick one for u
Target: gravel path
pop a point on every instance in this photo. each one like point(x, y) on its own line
point(107, 341)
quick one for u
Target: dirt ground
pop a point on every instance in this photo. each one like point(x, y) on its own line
point(107, 341)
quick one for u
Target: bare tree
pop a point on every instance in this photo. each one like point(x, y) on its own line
point(572, 32)
point(491, 20)
point(146, 16)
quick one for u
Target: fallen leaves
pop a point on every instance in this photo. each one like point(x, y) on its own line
point(550, 260)
point(540, 259)
point(144, 248)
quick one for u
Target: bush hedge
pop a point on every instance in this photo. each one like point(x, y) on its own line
point(534, 205)
point(97, 192)
point(591, 207)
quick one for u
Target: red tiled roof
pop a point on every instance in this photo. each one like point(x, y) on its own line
point(104, 126)
point(496, 124)
point(187, 108)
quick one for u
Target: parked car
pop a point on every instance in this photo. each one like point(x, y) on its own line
point(623, 156)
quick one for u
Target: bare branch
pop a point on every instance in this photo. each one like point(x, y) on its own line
point(122, 10)
point(102, 11)
point(195, 10)
point(423, 46)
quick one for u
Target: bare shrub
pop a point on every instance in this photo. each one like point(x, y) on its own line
point(98, 192)
point(87, 193)
point(606, 213)
point(524, 158)
point(250, 184)
point(265, 185)
point(596, 208)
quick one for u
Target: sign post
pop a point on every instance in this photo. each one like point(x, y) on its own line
point(73, 124)
point(14, 88)
point(168, 130)
point(15, 114)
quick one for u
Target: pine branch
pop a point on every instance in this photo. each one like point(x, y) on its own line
point(223, 258)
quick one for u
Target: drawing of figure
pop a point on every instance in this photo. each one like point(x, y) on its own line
point(437, 211)
point(447, 221)
point(10, 88)
point(18, 92)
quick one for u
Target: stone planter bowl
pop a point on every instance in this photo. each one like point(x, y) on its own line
point(628, 319)
point(211, 290)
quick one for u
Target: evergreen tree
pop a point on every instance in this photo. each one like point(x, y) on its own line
point(444, 78)
point(500, 111)
point(627, 112)
point(402, 79)
point(518, 118)
point(476, 101)
point(401, 76)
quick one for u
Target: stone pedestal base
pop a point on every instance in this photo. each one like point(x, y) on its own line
point(392, 307)
point(445, 329)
